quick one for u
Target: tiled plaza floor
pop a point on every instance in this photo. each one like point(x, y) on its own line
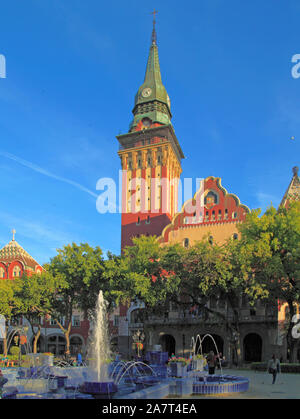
point(287, 386)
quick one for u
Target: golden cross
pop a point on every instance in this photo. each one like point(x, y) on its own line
point(13, 232)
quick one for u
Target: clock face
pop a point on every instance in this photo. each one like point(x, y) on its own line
point(146, 92)
point(146, 122)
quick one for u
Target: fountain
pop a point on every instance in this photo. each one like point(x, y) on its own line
point(99, 384)
point(216, 383)
point(119, 379)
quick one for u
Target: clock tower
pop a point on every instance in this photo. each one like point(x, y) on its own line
point(150, 157)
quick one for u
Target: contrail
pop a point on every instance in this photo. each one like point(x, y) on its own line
point(46, 172)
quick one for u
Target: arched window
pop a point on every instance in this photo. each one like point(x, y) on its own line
point(186, 243)
point(211, 240)
point(235, 236)
point(16, 271)
point(2, 272)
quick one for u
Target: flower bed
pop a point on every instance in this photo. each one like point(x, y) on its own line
point(180, 360)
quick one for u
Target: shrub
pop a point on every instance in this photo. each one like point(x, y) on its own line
point(15, 350)
point(285, 368)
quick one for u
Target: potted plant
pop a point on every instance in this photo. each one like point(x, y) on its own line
point(199, 362)
point(178, 366)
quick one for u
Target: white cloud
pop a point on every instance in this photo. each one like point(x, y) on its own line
point(44, 172)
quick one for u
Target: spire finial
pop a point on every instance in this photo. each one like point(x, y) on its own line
point(13, 233)
point(295, 170)
point(154, 38)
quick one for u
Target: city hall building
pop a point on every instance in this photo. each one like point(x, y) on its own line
point(151, 155)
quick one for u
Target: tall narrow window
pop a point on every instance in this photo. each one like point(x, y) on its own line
point(16, 271)
point(186, 243)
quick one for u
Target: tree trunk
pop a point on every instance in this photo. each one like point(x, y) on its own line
point(238, 350)
point(5, 348)
point(36, 338)
point(67, 335)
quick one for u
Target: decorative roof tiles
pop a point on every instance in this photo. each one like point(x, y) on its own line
point(13, 251)
point(293, 191)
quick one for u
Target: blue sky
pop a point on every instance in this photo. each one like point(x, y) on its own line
point(72, 71)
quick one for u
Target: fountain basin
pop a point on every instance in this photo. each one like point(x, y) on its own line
point(220, 384)
point(99, 388)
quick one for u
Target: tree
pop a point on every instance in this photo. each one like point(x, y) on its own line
point(211, 272)
point(77, 271)
point(6, 307)
point(32, 296)
point(222, 273)
point(145, 271)
point(272, 245)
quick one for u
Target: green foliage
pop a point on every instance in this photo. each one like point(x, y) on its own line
point(6, 298)
point(77, 273)
point(33, 295)
point(146, 271)
point(271, 247)
point(14, 351)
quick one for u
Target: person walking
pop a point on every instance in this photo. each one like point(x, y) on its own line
point(274, 367)
point(211, 361)
point(79, 359)
point(3, 381)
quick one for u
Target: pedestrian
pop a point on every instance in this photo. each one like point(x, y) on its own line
point(79, 359)
point(3, 381)
point(274, 367)
point(211, 361)
point(219, 360)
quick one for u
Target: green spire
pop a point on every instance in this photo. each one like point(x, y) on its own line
point(152, 100)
